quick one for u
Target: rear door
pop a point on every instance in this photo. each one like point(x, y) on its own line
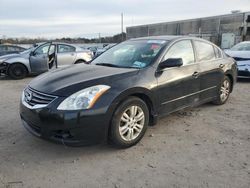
point(211, 68)
point(66, 55)
point(179, 87)
point(39, 59)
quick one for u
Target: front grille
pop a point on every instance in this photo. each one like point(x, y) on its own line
point(33, 97)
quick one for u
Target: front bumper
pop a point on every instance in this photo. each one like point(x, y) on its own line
point(3, 68)
point(243, 70)
point(72, 128)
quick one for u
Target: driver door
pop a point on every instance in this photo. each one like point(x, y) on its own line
point(178, 87)
point(39, 59)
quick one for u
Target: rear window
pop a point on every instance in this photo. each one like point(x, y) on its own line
point(204, 51)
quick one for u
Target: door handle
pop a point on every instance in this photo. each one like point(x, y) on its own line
point(195, 74)
point(221, 66)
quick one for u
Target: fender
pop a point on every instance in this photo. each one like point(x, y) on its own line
point(231, 69)
point(143, 93)
point(21, 60)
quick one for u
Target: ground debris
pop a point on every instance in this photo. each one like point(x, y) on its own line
point(151, 166)
point(14, 184)
point(222, 142)
point(151, 135)
point(185, 113)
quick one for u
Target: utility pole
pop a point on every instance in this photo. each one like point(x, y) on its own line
point(100, 40)
point(122, 26)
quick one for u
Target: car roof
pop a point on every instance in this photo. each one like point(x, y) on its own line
point(171, 38)
point(162, 37)
point(244, 42)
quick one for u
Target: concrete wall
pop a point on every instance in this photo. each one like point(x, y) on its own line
point(210, 28)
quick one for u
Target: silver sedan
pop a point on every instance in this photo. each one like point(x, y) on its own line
point(42, 58)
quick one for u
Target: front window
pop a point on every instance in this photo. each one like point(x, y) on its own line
point(42, 49)
point(131, 54)
point(241, 47)
point(183, 50)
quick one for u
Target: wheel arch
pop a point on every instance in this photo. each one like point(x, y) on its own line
point(15, 63)
point(84, 61)
point(141, 93)
point(230, 76)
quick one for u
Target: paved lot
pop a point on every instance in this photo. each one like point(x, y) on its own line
point(208, 146)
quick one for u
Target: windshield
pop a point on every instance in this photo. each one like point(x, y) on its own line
point(241, 47)
point(131, 54)
point(27, 51)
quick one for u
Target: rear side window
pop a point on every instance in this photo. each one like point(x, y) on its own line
point(65, 48)
point(182, 49)
point(217, 52)
point(204, 51)
point(3, 48)
point(13, 48)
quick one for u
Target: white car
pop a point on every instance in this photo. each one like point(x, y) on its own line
point(241, 53)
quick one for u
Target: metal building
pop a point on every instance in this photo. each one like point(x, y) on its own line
point(223, 30)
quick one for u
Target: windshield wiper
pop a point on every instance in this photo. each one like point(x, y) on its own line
point(107, 64)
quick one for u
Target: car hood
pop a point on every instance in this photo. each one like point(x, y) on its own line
point(243, 63)
point(11, 56)
point(68, 80)
point(238, 55)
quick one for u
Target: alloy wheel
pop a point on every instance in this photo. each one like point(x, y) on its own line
point(131, 123)
point(225, 90)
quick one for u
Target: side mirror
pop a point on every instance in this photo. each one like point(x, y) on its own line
point(32, 53)
point(171, 62)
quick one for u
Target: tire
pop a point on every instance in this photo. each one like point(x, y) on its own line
point(224, 91)
point(80, 61)
point(17, 71)
point(128, 129)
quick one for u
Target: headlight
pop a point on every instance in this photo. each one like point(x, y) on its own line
point(83, 99)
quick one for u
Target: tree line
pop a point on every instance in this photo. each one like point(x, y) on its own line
point(108, 39)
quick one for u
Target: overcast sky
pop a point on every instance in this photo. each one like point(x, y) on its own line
point(80, 18)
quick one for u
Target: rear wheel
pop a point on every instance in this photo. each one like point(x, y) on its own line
point(224, 92)
point(17, 71)
point(80, 61)
point(129, 123)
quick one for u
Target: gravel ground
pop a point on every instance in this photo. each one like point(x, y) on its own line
point(207, 146)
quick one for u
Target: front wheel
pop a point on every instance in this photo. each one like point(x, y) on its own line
point(17, 71)
point(224, 92)
point(129, 123)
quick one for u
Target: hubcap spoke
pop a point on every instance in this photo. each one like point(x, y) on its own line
point(133, 111)
point(224, 90)
point(138, 126)
point(139, 117)
point(125, 117)
point(124, 129)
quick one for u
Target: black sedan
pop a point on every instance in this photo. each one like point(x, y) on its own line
point(126, 89)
